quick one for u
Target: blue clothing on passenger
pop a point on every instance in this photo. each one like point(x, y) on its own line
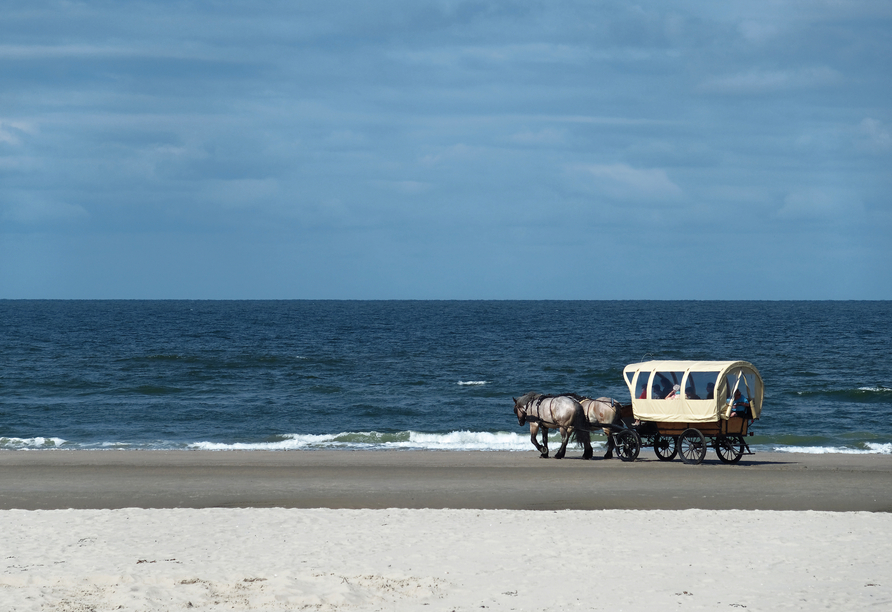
point(740, 406)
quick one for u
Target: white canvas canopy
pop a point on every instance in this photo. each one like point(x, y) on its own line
point(691, 391)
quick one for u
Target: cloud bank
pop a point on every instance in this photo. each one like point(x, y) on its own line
point(450, 149)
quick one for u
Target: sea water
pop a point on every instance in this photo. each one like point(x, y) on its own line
point(437, 375)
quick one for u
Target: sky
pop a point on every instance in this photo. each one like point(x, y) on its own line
point(408, 149)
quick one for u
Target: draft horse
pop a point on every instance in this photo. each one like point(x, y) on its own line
point(604, 411)
point(560, 412)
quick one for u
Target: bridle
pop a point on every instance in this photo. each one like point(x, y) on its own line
point(523, 408)
point(521, 413)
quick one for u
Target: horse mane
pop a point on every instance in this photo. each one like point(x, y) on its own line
point(526, 398)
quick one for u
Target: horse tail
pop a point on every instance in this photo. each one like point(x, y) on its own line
point(581, 434)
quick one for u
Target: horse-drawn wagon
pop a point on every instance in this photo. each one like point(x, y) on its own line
point(685, 407)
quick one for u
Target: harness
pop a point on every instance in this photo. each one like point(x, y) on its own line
point(538, 402)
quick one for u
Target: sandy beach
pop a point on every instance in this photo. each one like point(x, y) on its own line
point(384, 531)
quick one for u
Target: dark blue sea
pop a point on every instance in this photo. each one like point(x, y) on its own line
point(414, 374)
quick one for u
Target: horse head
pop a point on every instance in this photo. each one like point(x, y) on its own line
point(520, 412)
point(522, 404)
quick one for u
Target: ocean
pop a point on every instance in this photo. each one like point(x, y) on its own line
point(426, 375)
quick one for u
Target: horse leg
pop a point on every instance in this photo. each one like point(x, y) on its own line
point(534, 431)
point(588, 452)
point(610, 445)
point(565, 438)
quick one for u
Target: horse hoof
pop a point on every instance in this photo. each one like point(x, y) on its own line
point(608, 456)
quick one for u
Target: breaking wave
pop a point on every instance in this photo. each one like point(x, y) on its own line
point(406, 440)
point(30, 443)
point(868, 448)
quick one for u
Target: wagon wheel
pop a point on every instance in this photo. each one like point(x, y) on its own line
point(665, 447)
point(729, 448)
point(628, 444)
point(692, 446)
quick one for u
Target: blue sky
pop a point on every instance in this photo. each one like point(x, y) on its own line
point(428, 150)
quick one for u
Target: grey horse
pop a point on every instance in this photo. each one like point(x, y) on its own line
point(560, 412)
point(604, 411)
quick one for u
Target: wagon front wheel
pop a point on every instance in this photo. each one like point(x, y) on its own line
point(729, 449)
point(665, 447)
point(692, 446)
point(628, 445)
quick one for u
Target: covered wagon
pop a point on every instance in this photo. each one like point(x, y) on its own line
point(684, 407)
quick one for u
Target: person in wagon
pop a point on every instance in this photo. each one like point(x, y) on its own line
point(676, 391)
point(740, 406)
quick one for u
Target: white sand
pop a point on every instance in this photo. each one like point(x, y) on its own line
point(294, 559)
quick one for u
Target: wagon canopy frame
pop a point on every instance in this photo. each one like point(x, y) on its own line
point(692, 382)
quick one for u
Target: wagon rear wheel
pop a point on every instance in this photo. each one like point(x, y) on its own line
point(692, 446)
point(729, 448)
point(628, 445)
point(665, 447)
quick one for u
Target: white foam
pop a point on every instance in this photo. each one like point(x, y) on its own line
point(875, 389)
point(883, 449)
point(292, 442)
point(472, 382)
point(412, 440)
point(466, 440)
point(872, 449)
point(26, 443)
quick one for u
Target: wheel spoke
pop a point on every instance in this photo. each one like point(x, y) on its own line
point(693, 446)
point(729, 449)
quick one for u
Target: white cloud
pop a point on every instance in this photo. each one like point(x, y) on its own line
point(876, 136)
point(766, 81)
point(405, 187)
point(815, 203)
point(495, 54)
point(455, 152)
point(625, 182)
point(11, 132)
point(545, 136)
point(20, 52)
point(241, 193)
point(758, 31)
point(346, 139)
point(32, 211)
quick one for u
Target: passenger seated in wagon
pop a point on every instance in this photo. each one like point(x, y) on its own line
point(740, 406)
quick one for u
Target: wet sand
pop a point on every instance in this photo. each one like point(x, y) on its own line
point(425, 479)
